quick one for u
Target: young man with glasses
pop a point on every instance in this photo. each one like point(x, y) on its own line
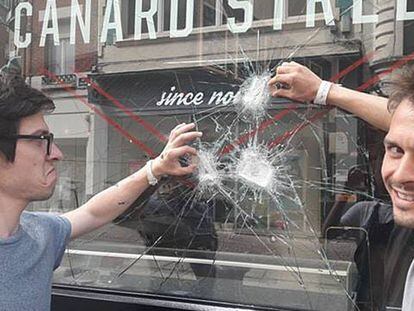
point(32, 244)
point(395, 115)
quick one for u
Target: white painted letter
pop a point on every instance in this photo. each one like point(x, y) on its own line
point(17, 30)
point(247, 6)
point(85, 26)
point(174, 32)
point(198, 99)
point(116, 24)
point(149, 16)
point(278, 14)
point(358, 18)
point(54, 30)
point(327, 12)
point(402, 14)
point(161, 101)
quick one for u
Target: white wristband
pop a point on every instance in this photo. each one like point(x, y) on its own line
point(322, 94)
point(152, 180)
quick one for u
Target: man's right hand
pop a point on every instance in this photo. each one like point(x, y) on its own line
point(169, 162)
point(300, 83)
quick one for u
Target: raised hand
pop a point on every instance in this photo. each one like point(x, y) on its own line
point(299, 83)
point(168, 162)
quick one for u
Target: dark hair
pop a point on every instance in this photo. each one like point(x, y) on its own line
point(17, 100)
point(402, 87)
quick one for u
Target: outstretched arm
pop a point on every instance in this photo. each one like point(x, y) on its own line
point(302, 85)
point(110, 203)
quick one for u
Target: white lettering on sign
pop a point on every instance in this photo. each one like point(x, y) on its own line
point(22, 6)
point(219, 98)
point(278, 14)
point(189, 17)
point(50, 14)
point(327, 12)
point(148, 16)
point(174, 98)
point(112, 18)
point(84, 25)
point(402, 14)
point(115, 7)
point(357, 16)
point(247, 7)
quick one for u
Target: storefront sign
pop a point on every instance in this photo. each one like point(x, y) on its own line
point(112, 19)
point(158, 91)
point(174, 98)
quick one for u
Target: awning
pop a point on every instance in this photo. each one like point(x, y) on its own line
point(167, 91)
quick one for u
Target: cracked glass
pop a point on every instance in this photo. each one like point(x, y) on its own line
point(287, 208)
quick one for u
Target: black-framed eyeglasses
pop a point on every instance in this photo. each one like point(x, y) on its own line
point(48, 137)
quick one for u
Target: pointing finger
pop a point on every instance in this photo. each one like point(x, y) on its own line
point(185, 138)
point(181, 128)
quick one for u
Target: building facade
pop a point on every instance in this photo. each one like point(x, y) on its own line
point(276, 176)
point(4, 36)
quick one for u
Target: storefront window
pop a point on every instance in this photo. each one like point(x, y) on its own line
point(60, 59)
point(408, 27)
point(287, 208)
point(297, 8)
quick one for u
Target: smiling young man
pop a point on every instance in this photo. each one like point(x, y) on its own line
point(32, 244)
point(395, 115)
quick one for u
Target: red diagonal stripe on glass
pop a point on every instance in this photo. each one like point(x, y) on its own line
point(105, 117)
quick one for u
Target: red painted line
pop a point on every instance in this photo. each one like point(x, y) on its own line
point(110, 121)
point(242, 139)
point(148, 126)
point(362, 87)
point(393, 67)
point(350, 68)
point(299, 127)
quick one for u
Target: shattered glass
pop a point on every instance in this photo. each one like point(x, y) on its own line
point(261, 221)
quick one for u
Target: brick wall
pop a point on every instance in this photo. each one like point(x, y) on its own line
point(4, 38)
point(85, 54)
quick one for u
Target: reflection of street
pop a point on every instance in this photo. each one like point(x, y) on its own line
point(228, 241)
point(245, 272)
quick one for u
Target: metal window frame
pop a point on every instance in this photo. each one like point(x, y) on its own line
point(66, 297)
